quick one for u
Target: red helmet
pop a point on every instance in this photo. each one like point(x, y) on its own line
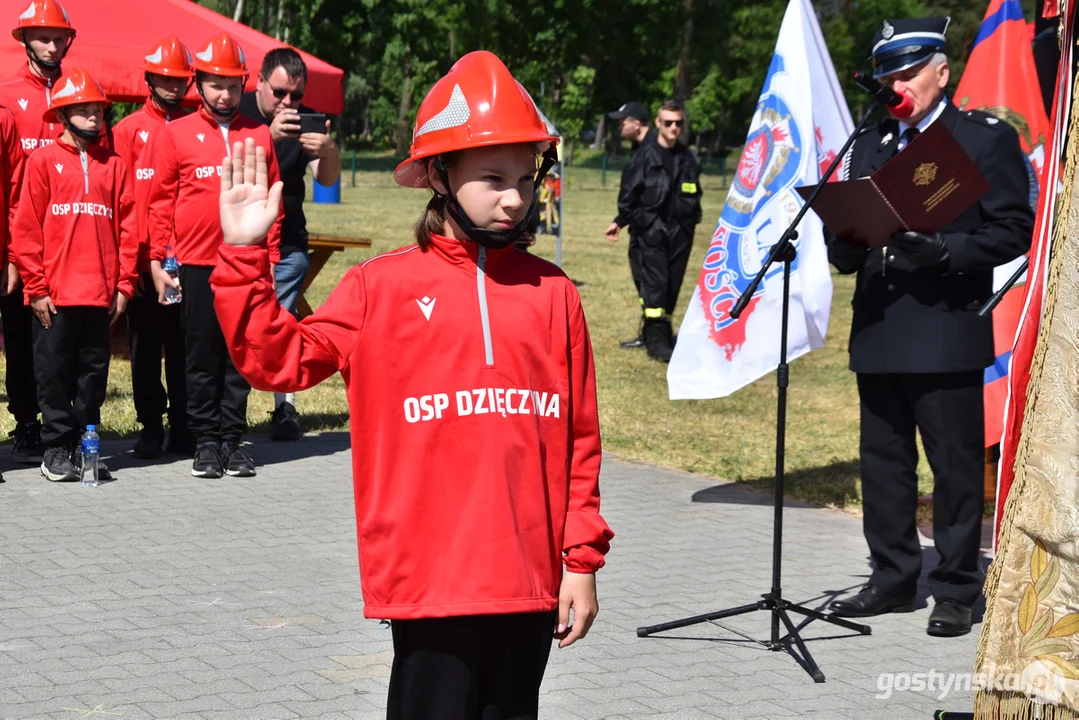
point(75, 87)
point(222, 56)
point(170, 58)
point(43, 14)
point(477, 103)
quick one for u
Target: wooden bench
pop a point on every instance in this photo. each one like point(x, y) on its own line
point(321, 248)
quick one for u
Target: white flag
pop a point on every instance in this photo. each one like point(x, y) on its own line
point(800, 124)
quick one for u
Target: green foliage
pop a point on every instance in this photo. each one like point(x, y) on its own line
point(582, 58)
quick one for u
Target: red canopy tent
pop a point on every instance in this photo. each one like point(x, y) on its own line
point(114, 36)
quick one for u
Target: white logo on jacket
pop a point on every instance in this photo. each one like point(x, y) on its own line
point(23, 103)
point(201, 137)
point(59, 168)
point(426, 306)
point(144, 135)
point(483, 401)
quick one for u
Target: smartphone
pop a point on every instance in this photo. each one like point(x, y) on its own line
point(313, 123)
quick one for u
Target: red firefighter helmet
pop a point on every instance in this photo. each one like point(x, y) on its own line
point(75, 87)
point(43, 14)
point(170, 58)
point(477, 103)
point(222, 56)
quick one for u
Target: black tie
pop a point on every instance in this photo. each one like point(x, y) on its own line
point(908, 136)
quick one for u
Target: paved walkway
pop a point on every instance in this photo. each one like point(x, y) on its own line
point(163, 596)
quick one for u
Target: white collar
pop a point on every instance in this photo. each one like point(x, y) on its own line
point(927, 120)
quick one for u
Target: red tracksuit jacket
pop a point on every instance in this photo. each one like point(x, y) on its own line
point(12, 159)
point(186, 186)
point(74, 235)
point(131, 137)
point(472, 408)
point(27, 97)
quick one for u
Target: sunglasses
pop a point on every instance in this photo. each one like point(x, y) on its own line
point(668, 123)
point(280, 93)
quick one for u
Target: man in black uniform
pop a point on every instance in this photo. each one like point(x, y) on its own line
point(917, 345)
point(660, 201)
point(276, 102)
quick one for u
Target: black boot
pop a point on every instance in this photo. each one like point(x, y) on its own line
point(151, 439)
point(637, 342)
point(28, 449)
point(657, 339)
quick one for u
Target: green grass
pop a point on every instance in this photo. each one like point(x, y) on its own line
point(731, 438)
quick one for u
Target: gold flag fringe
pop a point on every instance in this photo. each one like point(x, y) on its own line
point(989, 704)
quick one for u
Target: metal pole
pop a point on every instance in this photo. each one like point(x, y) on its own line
point(603, 176)
point(353, 168)
point(561, 219)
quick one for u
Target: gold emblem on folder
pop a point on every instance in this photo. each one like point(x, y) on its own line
point(925, 174)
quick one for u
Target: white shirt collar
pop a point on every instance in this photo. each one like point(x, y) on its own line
point(927, 120)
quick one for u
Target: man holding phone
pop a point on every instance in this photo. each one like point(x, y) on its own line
point(301, 139)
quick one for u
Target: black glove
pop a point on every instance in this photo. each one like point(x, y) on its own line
point(921, 249)
point(847, 255)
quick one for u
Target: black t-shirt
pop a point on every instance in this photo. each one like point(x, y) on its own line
point(292, 163)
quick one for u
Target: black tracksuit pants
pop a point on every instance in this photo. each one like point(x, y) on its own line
point(19, 351)
point(662, 255)
point(71, 360)
point(216, 392)
point(154, 327)
point(948, 410)
point(480, 667)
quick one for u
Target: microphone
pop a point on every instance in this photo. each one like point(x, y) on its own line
point(899, 104)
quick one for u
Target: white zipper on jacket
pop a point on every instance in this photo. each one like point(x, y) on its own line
point(489, 353)
point(85, 169)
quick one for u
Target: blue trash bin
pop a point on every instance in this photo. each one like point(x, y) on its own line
point(328, 194)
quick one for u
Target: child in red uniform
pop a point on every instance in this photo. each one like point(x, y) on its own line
point(184, 213)
point(46, 34)
point(472, 404)
point(76, 250)
point(154, 326)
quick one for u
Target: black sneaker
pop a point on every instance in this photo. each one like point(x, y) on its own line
point(28, 449)
point(207, 461)
point(286, 422)
point(237, 461)
point(57, 465)
point(151, 438)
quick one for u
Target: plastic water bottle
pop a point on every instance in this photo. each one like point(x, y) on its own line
point(172, 267)
point(91, 451)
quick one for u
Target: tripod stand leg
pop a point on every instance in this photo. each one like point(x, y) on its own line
point(718, 615)
point(792, 633)
point(841, 622)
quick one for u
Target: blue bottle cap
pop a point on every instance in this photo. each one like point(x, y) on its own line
point(91, 427)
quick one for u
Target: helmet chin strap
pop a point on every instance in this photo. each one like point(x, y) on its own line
point(220, 115)
point(48, 66)
point(90, 136)
point(492, 239)
point(170, 106)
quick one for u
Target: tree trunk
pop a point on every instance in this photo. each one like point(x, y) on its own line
point(683, 80)
point(601, 133)
point(280, 20)
point(402, 134)
point(239, 14)
point(266, 17)
point(453, 46)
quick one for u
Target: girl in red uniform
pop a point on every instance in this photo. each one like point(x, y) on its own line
point(75, 246)
point(472, 403)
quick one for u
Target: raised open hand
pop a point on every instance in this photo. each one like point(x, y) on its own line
point(248, 205)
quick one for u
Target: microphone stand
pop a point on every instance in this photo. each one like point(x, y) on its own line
point(773, 601)
point(992, 302)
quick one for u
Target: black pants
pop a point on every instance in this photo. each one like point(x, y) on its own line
point(216, 392)
point(154, 327)
point(71, 360)
point(19, 352)
point(664, 254)
point(948, 410)
point(635, 261)
point(482, 667)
